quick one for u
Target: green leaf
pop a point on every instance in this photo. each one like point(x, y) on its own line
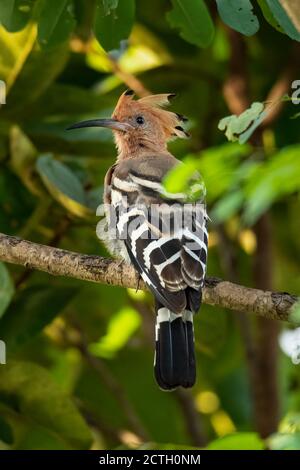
point(228, 206)
point(220, 164)
point(238, 441)
point(162, 446)
point(14, 14)
point(63, 185)
point(15, 201)
point(270, 181)
point(6, 433)
point(26, 433)
point(242, 127)
point(176, 180)
point(269, 15)
point(114, 25)
point(290, 423)
point(15, 48)
point(109, 5)
point(40, 399)
point(33, 309)
point(185, 179)
point(56, 22)
point(284, 20)
point(120, 329)
point(73, 101)
point(6, 288)
point(23, 156)
point(94, 197)
point(248, 133)
point(281, 441)
point(193, 20)
point(239, 15)
point(39, 70)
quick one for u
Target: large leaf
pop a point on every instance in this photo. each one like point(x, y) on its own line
point(24, 433)
point(278, 177)
point(67, 100)
point(39, 398)
point(281, 11)
point(14, 14)
point(37, 73)
point(228, 206)
point(6, 432)
point(33, 309)
point(15, 49)
point(109, 5)
point(15, 201)
point(220, 164)
point(290, 423)
point(282, 441)
point(239, 15)
point(112, 25)
point(63, 185)
point(56, 22)
point(238, 441)
point(6, 288)
point(120, 329)
point(23, 157)
point(185, 179)
point(269, 15)
point(193, 20)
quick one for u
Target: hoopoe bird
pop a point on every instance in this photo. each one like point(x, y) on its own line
point(163, 236)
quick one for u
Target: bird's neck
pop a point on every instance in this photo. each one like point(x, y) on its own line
point(130, 147)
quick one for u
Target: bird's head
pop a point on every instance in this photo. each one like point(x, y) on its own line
point(141, 126)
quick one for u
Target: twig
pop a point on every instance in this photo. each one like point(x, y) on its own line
point(101, 425)
point(191, 416)
point(117, 391)
point(110, 382)
point(58, 262)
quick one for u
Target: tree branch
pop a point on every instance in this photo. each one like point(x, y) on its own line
point(58, 262)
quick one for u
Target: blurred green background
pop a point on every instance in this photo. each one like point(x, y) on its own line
point(79, 355)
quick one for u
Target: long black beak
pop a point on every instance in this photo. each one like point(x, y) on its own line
point(110, 123)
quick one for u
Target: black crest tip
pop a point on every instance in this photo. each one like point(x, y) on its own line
point(171, 96)
point(181, 117)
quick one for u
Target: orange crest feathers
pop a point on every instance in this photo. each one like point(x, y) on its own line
point(153, 104)
point(160, 100)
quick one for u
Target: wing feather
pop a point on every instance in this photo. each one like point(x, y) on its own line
point(170, 256)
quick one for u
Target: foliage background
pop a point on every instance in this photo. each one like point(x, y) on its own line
point(79, 356)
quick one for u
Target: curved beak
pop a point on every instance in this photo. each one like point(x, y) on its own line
point(110, 123)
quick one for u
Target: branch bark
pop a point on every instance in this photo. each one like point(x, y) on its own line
point(58, 262)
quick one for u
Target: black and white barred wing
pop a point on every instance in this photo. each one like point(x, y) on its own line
point(166, 239)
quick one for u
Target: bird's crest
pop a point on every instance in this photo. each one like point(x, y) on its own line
point(152, 105)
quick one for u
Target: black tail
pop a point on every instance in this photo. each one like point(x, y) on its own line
point(174, 363)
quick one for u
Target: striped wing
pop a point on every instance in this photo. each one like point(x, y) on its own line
point(166, 239)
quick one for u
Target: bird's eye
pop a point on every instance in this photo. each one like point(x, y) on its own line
point(140, 120)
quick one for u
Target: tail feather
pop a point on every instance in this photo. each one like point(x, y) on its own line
point(174, 363)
